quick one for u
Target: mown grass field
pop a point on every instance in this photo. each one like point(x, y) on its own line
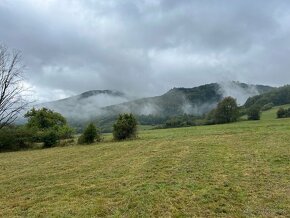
point(234, 170)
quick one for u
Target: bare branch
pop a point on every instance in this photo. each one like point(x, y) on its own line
point(12, 100)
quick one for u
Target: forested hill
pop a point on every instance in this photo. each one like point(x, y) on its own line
point(176, 101)
point(103, 106)
point(276, 97)
point(196, 101)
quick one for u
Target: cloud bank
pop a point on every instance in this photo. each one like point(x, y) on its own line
point(146, 47)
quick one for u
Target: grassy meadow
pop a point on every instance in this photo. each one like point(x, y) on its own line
point(233, 170)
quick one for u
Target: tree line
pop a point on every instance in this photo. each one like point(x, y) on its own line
point(46, 128)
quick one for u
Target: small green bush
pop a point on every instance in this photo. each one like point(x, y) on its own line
point(50, 139)
point(125, 127)
point(283, 113)
point(254, 113)
point(90, 135)
point(64, 132)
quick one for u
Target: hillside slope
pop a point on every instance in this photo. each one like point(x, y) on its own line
point(86, 105)
point(235, 170)
point(277, 96)
point(195, 101)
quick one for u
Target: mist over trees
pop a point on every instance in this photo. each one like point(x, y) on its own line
point(278, 96)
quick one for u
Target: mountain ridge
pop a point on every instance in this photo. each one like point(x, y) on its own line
point(104, 105)
point(197, 100)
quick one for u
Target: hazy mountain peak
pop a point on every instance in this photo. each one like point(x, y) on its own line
point(91, 93)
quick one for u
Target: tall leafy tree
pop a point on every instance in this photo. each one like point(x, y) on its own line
point(227, 111)
point(44, 118)
point(49, 125)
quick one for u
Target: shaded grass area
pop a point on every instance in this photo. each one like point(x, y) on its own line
point(235, 170)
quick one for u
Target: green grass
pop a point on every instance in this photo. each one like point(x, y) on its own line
point(145, 127)
point(272, 113)
point(234, 170)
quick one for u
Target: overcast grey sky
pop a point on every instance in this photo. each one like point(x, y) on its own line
point(146, 47)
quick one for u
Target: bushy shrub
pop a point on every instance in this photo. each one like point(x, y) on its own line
point(15, 138)
point(227, 111)
point(125, 127)
point(267, 107)
point(254, 113)
point(64, 132)
point(283, 113)
point(90, 135)
point(50, 127)
point(50, 138)
point(181, 121)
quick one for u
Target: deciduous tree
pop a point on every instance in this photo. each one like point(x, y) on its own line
point(12, 91)
point(227, 111)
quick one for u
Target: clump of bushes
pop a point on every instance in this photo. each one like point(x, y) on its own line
point(125, 127)
point(267, 107)
point(90, 135)
point(254, 113)
point(181, 121)
point(16, 138)
point(50, 127)
point(283, 113)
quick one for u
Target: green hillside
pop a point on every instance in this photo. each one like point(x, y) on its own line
point(277, 96)
point(197, 101)
point(272, 113)
point(234, 170)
